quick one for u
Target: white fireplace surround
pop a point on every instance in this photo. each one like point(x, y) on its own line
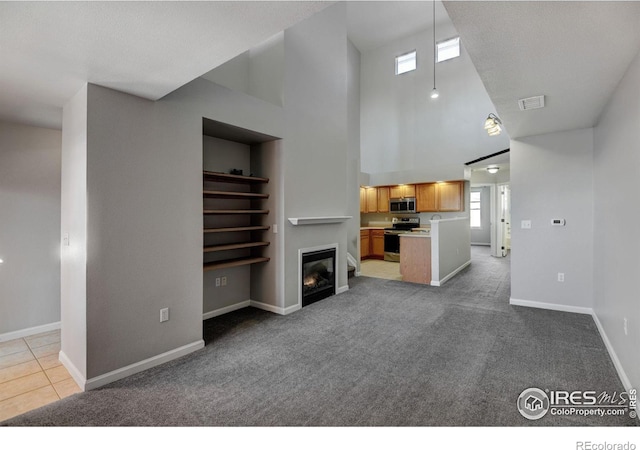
point(302, 251)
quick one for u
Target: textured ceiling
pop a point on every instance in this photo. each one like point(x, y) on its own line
point(372, 24)
point(48, 50)
point(574, 53)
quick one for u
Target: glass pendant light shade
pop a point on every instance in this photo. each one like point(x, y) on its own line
point(435, 93)
point(492, 125)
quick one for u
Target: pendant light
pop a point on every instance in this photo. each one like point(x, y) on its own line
point(492, 125)
point(434, 93)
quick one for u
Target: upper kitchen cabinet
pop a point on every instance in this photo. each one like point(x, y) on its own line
point(383, 199)
point(440, 197)
point(426, 197)
point(450, 196)
point(374, 199)
point(402, 191)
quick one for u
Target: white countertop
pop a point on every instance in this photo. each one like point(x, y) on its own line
point(416, 234)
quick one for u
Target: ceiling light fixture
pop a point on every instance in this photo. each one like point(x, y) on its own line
point(434, 93)
point(492, 125)
point(493, 169)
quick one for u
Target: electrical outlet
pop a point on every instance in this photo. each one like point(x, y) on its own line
point(626, 330)
point(525, 224)
point(218, 282)
point(224, 281)
point(561, 277)
point(164, 314)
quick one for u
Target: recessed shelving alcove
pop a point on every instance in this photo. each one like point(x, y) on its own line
point(237, 213)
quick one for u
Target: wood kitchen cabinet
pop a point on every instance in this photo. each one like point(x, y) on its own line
point(371, 244)
point(402, 191)
point(377, 244)
point(440, 197)
point(450, 196)
point(374, 199)
point(383, 199)
point(365, 244)
point(426, 197)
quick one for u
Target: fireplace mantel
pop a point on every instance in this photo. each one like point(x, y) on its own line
point(318, 220)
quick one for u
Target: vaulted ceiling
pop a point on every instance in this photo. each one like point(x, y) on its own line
point(572, 52)
point(48, 50)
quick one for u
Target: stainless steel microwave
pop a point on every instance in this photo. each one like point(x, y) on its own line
point(402, 205)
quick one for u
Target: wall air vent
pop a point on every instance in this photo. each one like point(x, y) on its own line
point(531, 103)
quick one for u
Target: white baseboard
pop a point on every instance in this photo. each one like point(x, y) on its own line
point(342, 289)
point(226, 309)
point(614, 357)
point(292, 309)
point(551, 306)
point(267, 307)
point(29, 331)
point(451, 275)
point(132, 369)
point(583, 310)
point(77, 376)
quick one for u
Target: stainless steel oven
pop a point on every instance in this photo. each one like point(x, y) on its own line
point(392, 236)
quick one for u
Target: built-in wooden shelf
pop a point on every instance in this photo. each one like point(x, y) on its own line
point(235, 195)
point(240, 245)
point(234, 263)
point(236, 211)
point(233, 229)
point(228, 178)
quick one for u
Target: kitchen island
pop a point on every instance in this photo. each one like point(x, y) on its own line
point(436, 256)
point(415, 257)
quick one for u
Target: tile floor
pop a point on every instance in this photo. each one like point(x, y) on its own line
point(31, 375)
point(380, 269)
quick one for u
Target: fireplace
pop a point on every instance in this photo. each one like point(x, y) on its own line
point(317, 274)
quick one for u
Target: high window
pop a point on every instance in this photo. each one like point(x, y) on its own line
point(406, 63)
point(448, 49)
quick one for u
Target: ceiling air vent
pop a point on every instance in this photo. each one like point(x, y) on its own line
point(531, 103)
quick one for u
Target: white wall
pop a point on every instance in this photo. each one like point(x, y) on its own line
point(353, 156)
point(140, 162)
point(450, 248)
point(316, 138)
point(406, 136)
point(73, 223)
point(144, 230)
point(258, 72)
point(29, 228)
point(552, 177)
point(616, 218)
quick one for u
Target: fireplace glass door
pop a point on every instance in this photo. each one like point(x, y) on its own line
point(318, 275)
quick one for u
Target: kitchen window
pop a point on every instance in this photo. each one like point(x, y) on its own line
point(475, 208)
